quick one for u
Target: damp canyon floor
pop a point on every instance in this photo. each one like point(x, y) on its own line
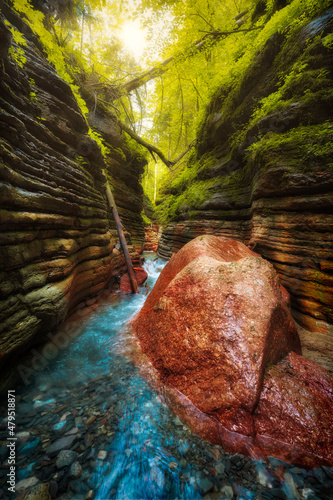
point(89, 426)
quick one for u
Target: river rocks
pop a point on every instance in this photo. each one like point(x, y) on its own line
point(38, 492)
point(26, 483)
point(65, 457)
point(214, 321)
point(295, 411)
point(140, 275)
point(59, 445)
point(75, 470)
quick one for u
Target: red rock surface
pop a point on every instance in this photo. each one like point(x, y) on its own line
point(152, 237)
point(125, 285)
point(295, 411)
point(214, 320)
point(218, 331)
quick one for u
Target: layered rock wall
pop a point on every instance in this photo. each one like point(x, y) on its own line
point(270, 186)
point(57, 236)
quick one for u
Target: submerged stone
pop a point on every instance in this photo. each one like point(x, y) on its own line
point(60, 444)
point(30, 447)
point(65, 457)
point(75, 470)
point(26, 483)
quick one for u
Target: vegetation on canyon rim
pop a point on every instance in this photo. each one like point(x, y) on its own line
point(211, 48)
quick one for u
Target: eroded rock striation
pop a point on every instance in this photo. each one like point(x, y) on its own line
point(268, 181)
point(57, 236)
point(213, 325)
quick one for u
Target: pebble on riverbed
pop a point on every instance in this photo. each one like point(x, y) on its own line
point(65, 457)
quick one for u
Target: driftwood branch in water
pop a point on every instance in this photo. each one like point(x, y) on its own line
point(209, 38)
point(151, 148)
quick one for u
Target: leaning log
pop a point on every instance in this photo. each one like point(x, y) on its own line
point(112, 205)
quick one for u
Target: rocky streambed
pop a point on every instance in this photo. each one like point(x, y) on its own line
point(89, 426)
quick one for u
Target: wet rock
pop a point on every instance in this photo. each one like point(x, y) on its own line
point(25, 472)
point(220, 468)
point(205, 486)
point(23, 436)
point(60, 444)
point(65, 457)
point(75, 470)
point(26, 483)
point(63, 483)
point(318, 471)
point(72, 431)
point(29, 448)
point(53, 489)
point(214, 320)
point(289, 487)
point(328, 472)
point(140, 275)
point(90, 420)
point(227, 493)
point(278, 493)
point(38, 492)
point(294, 417)
point(102, 455)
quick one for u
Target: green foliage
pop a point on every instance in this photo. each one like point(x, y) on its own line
point(145, 219)
point(328, 41)
point(97, 137)
point(303, 81)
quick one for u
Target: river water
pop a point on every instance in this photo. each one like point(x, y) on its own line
point(89, 426)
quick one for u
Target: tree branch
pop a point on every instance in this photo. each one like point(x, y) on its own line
point(151, 148)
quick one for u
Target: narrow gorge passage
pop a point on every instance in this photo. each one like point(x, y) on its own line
point(208, 125)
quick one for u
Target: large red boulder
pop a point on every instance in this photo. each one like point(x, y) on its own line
point(294, 418)
point(214, 321)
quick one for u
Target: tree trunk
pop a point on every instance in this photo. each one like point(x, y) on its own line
point(198, 46)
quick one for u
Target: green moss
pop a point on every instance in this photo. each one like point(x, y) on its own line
point(145, 219)
point(299, 149)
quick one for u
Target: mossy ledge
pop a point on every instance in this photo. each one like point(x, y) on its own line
point(57, 234)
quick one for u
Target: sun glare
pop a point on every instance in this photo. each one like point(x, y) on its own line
point(134, 38)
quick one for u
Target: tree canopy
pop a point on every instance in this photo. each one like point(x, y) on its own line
point(191, 49)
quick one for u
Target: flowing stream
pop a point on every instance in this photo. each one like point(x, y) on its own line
point(121, 440)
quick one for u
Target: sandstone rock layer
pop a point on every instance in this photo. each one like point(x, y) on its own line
point(57, 235)
point(270, 187)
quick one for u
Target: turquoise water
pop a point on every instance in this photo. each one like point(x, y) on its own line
point(149, 454)
point(126, 443)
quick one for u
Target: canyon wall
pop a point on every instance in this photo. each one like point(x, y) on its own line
point(266, 179)
point(59, 245)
